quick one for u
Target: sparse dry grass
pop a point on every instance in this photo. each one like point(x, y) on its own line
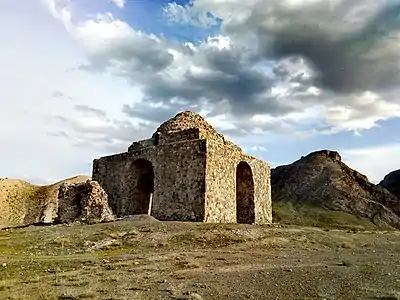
point(308, 215)
point(164, 260)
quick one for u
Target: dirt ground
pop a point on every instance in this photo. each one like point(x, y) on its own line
point(141, 258)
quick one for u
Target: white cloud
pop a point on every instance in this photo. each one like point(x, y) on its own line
point(375, 161)
point(189, 15)
point(231, 11)
point(362, 113)
point(61, 10)
point(39, 82)
point(119, 3)
point(257, 148)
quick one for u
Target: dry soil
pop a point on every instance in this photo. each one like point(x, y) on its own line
point(141, 258)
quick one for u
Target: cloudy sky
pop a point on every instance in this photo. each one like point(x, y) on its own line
point(80, 79)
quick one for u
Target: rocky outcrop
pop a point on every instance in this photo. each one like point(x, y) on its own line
point(23, 204)
point(322, 179)
point(391, 182)
point(85, 202)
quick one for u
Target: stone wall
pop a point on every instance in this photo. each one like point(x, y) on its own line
point(193, 180)
point(141, 144)
point(179, 136)
point(222, 162)
point(262, 190)
point(179, 180)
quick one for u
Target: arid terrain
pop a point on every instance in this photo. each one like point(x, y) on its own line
point(333, 237)
point(23, 203)
point(141, 258)
point(322, 181)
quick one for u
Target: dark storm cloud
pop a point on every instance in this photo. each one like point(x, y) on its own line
point(132, 56)
point(346, 44)
point(229, 76)
point(344, 63)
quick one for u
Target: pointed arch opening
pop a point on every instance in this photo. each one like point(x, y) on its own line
point(244, 194)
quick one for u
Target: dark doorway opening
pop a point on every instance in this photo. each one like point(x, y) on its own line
point(244, 194)
point(143, 187)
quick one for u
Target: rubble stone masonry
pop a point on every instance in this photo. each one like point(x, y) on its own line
point(84, 202)
point(187, 172)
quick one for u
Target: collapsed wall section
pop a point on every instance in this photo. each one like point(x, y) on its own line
point(166, 181)
point(84, 202)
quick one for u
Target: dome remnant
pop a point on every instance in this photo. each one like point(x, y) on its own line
point(184, 121)
point(184, 126)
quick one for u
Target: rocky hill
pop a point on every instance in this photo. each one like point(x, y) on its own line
point(391, 182)
point(22, 203)
point(321, 180)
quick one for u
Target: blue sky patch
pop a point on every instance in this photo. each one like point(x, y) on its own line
point(148, 16)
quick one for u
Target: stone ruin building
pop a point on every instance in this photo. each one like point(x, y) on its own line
point(187, 172)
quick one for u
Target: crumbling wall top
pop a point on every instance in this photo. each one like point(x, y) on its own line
point(141, 144)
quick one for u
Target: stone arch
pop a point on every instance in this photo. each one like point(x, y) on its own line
point(244, 194)
point(142, 187)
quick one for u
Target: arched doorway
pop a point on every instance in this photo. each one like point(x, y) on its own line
point(244, 194)
point(142, 183)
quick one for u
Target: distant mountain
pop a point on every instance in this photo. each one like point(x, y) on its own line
point(391, 182)
point(22, 203)
point(321, 184)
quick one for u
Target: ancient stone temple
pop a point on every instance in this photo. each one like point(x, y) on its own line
point(187, 172)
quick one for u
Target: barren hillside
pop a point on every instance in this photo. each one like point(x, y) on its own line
point(22, 203)
point(320, 185)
